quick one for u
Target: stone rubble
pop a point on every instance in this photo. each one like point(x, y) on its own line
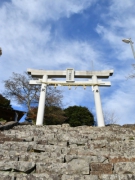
point(29, 152)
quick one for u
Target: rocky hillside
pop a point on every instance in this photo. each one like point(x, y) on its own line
point(31, 152)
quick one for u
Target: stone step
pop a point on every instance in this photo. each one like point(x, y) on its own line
point(19, 166)
point(74, 166)
point(46, 176)
point(66, 153)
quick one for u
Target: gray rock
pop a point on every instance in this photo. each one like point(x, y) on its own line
point(64, 152)
point(124, 168)
point(17, 166)
point(79, 177)
point(44, 176)
point(78, 166)
point(117, 177)
point(56, 168)
point(89, 159)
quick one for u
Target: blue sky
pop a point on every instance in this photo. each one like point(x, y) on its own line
point(79, 34)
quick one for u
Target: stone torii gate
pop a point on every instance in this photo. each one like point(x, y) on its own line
point(44, 78)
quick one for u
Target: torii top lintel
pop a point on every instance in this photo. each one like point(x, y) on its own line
point(62, 74)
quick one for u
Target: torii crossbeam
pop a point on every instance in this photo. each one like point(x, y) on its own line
point(70, 75)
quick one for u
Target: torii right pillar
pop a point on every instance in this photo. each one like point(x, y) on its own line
point(99, 112)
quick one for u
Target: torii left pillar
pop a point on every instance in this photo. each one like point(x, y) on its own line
point(41, 106)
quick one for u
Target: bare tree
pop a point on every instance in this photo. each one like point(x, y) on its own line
point(17, 87)
point(54, 97)
point(133, 73)
point(110, 117)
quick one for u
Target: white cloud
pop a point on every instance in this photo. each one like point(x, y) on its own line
point(76, 54)
point(29, 44)
point(123, 104)
point(120, 7)
point(28, 41)
point(47, 10)
point(118, 24)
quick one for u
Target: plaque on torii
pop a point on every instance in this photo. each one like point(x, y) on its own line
point(46, 78)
